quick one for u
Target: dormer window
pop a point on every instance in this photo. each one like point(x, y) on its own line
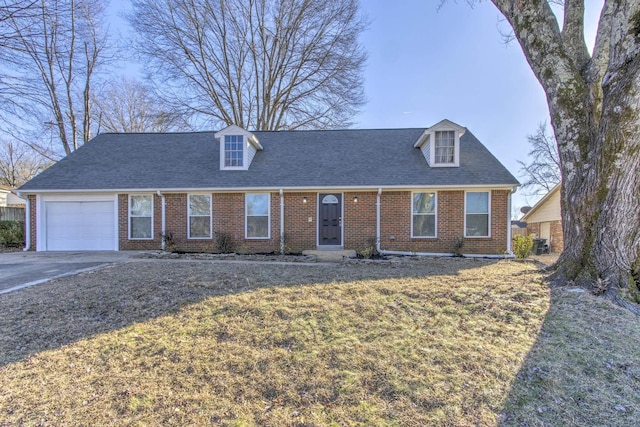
point(440, 144)
point(238, 147)
point(445, 146)
point(233, 151)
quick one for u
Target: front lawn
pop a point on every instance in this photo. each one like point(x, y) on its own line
point(412, 343)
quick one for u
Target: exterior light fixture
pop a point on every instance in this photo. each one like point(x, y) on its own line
point(304, 200)
point(355, 199)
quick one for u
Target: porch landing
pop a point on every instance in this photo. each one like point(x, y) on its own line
point(331, 256)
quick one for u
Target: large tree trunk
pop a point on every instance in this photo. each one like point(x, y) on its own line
point(594, 102)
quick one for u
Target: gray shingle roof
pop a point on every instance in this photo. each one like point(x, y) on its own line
point(340, 158)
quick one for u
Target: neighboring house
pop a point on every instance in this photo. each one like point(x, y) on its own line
point(545, 220)
point(411, 190)
point(8, 199)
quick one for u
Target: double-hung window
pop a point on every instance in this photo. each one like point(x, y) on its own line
point(445, 147)
point(233, 151)
point(199, 216)
point(477, 205)
point(423, 213)
point(257, 207)
point(140, 217)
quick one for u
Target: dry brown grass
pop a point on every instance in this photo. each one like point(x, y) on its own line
point(429, 342)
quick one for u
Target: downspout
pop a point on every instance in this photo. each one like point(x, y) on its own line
point(509, 251)
point(27, 222)
point(164, 224)
point(378, 221)
point(281, 221)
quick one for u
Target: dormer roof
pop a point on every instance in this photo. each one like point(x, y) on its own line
point(237, 130)
point(441, 125)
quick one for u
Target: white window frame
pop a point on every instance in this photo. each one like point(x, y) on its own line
point(224, 151)
point(246, 217)
point(139, 216)
point(189, 216)
point(488, 214)
point(435, 214)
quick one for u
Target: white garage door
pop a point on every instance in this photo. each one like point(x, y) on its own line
point(75, 225)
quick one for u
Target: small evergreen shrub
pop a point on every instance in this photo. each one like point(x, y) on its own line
point(522, 246)
point(11, 234)
point(225, 243)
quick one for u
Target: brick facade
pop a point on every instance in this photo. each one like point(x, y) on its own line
point(32, 222)
point(301, 217)
point(556, 244)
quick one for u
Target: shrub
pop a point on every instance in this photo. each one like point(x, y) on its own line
point(370, 250)
point(11, 233)
point(522, 246)
point(225, 243)
point(169, 242)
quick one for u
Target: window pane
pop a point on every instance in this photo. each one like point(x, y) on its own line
point(478, 202)
point(257, 226)
point(424, 225)
point(141, 205)
point(141, 228)
point(199, 226)
point(477, 225)
point(445, 138)
point(199, 205)
point(444, 155)
point(257, 204)
point(424, 203)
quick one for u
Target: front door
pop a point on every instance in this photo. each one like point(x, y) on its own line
point(330, 219)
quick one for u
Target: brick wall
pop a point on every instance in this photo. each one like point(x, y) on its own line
point(301, 223)
point(359, 220)
point(395, 227)
point(124, 244)
point(557, 239)
point(555, 228)
point(228, 218)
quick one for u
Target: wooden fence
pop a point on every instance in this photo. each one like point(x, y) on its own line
point(11, 214)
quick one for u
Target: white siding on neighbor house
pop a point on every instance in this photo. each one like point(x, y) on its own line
point(3, 198)
point(12, 200)
point(548, 211)
point(426, 151)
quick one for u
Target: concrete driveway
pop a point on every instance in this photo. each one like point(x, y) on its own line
point(21, 269)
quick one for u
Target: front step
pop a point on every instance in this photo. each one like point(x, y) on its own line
point(331, 256)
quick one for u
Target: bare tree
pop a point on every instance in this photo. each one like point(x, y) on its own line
point(18, 164)
point(55, 54)
point(594, 101)
point(126, 105)
point(542, 173)
point(259, 64)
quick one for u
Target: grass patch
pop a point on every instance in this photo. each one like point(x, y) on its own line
point(429, 342)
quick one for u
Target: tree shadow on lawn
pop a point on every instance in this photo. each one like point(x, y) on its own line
point(66, 310)
point(583, 369)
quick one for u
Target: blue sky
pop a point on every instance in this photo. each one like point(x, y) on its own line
point(428, 63)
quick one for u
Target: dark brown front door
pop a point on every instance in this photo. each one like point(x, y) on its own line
point(330, 219)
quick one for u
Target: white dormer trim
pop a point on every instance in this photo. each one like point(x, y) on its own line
point(250, 146)
point(426, 143)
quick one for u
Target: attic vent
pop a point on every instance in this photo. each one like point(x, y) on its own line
point(330, 200)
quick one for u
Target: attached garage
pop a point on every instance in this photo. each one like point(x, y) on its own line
point(78, 224)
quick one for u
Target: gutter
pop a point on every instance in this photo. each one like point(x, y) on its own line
point(164, 222)
point(27, 222)
point(281, 221)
